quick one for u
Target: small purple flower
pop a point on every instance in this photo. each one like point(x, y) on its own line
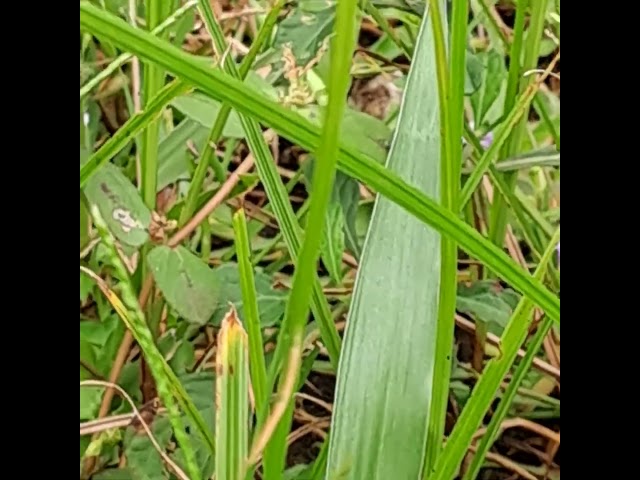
point(487, 140)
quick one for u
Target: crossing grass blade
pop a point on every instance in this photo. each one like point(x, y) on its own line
point(232, 399)
point(297, 129)
point(484, 391)
point(385, 383)
point(252, 314)
point(125, 57)
point(507, 399)
point(132, 127)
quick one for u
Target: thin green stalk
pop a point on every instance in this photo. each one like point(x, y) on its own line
point(515, 79)
point(509, 395)
point(297, 129)
point(251, 313)
point(544, 114)
point(297, 311)
point(502, 137)
point(208, 152)
point(125, 57)
point(510, 199)
point(131, 128)
point(451, 116)
point(131, 314)
point(484, 391)
point(153, 80)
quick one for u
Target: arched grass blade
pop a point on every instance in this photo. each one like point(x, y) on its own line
point(384, 386)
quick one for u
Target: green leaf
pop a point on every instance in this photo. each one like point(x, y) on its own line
point(271, 302)
point(390, 342)
point(346, 192)
point(473, 74)
point(188, 285)
point(143, 460)
point(173, 156)
point(333, 244)
point(368, 133)
point(487, 301)
point(120, 204)
point(306, 28)
point(204, 110)
point(493, 75)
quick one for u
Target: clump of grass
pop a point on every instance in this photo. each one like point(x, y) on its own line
point(189, 245)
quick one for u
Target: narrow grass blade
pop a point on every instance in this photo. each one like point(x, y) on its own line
point(507, 399)
point(451, 103)
point(532, 48)
point(129, 311)
point(131, 128)
point(384, 385)
point(232, 399)
point(485, 389)
point(502, 136)
point(291, 335)
point(252, 314)
point(292, 126)
point(125, 57)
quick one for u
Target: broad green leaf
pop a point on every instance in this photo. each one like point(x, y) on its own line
point(187, 283)
point(306, 28)
point(120, 204)
point(224, 88)
point(271, 302)
point(473, 74)
point(346, 192)
point(488, 302)
point(143, 460)
point(173, 153)
point(380, 432)
point(203, 110)
point(333, 244)
point(368, 133)
point(232, 399)
point(493, 75)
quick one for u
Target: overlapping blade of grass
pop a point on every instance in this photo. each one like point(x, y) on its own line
point(290, 339)
point(250, 307)
point(450, 77)
point(485, 389)
point(169, 387)
point(131, 128)
point(301, 131)
point(516, 82)
point(125, 57)
point(507, 399)
point(276, 193)
point(385, 380)
point(152, 83)
point(223, 115)
point(232, 399)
